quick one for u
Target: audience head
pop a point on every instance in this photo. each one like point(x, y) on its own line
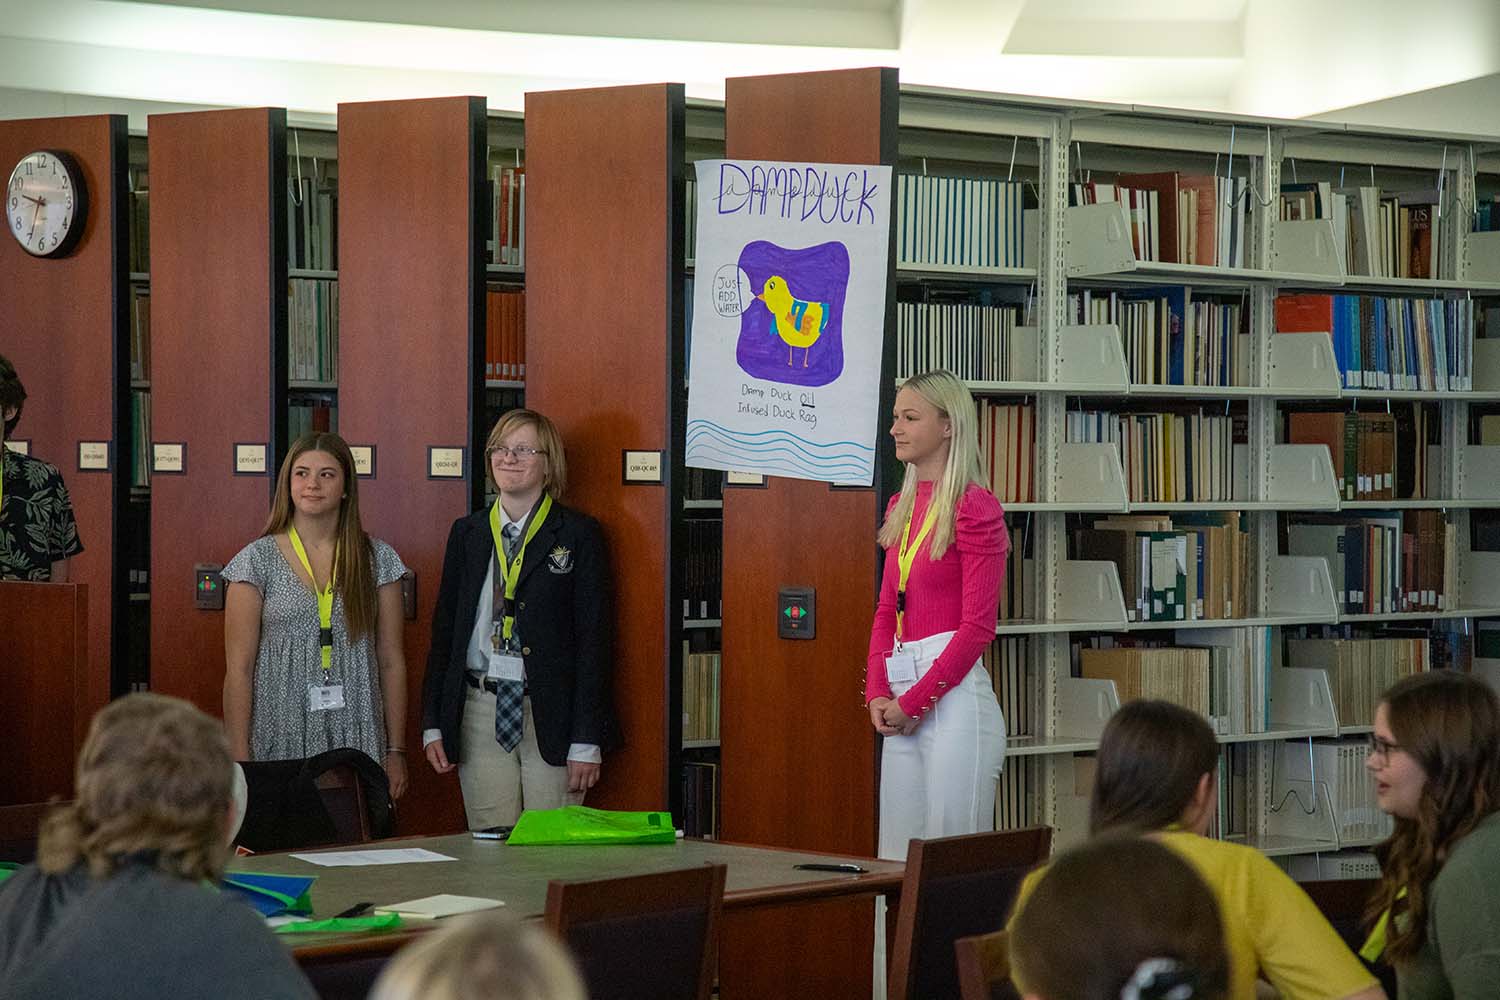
point(1120, 918)
point(12, 396)
point(1156, 767)
point(1435, 760)
point(154, 783)
point(487, 956)
point(316, 477)
point(512, 473)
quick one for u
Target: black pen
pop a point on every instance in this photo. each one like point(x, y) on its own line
point(353, 911)
point(843, 867)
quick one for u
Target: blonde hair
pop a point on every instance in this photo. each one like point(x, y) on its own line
point(954, 403)
point(153, 779)
point(487, 956)
point(555, 477)
point(354, 577)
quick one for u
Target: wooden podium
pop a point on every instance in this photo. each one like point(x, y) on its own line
point(44, 686)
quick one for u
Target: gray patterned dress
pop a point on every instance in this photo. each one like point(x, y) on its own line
point(289, 661)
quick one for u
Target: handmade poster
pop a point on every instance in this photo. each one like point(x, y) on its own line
point(788, 314)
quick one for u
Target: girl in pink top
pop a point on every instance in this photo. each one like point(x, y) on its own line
point(926, 689)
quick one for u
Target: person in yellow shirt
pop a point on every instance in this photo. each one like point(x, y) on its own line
point(1120, 917)
point(1156, 774)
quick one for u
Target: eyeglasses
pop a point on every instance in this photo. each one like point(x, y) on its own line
point(1382, 747)
point(520, 454)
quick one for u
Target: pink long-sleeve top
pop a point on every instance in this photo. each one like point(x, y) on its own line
point(959, 592)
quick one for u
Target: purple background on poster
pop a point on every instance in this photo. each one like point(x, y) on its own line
point(816, 274)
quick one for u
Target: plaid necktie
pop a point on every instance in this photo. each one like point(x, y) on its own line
point(509, 695)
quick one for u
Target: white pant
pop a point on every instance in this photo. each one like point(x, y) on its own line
point(940, 780)
point(497, 785)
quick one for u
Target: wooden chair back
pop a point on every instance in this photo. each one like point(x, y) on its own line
point(652, 937)
point(343, 795)
point(1342, 902)
point(984, 967)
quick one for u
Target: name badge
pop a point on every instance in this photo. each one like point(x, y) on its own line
point(901, 668)
point(324, 697)
point(506, 667)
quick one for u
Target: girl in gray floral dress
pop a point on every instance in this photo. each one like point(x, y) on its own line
point(313, 623)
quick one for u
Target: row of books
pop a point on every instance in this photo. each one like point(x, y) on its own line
point(138, 204)
point(1018, 590)
point(312, 221)
point(974, 342)
point(1017, 793)
point(1169, 338)
point(700, 693)
point(1007, 449)
point(1376, 456)
point(140, 333)
point(703, 574)
point(313, 329)
point(1196, 456)
point(140, 437)
point(507, 241)
point(700, 799)
point(1177, 674)
point(960, 221)
point(310, 413)
point(505, 334)
point(1487, 215)
point(1338, 766)
point(1178, 218)
point(1191, 567)
point(703, 484)
point(1014, 681)
point(1360, 670)
point(1383, 235)
point(1388, 342)
point(1387, 562)
point(1213, 672)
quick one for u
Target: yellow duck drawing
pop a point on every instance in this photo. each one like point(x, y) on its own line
point(796, 321)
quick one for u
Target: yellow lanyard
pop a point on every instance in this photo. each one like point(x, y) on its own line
point(325, 600)
point(510, 571)
point(904, 559)
point(1374, 945)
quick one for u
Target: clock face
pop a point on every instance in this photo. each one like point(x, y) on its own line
point(45, 203)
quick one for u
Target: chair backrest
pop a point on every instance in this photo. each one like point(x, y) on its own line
point(955, 887)
point(20, 826)
point(338, 797)
point(1342, 902)
point(343, 796)
point(644, 936)
point(984, 967)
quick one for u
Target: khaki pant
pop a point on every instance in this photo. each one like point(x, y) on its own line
point(497, 785)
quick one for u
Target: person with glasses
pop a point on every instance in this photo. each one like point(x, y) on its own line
point(517, 694)
point(1435, 760)
point(1156, 774)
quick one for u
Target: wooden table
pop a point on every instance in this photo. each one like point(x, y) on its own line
point(345, 964)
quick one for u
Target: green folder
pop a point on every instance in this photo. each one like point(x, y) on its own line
point(582, 825)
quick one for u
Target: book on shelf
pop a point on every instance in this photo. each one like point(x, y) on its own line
point(1382, 234)
point(975, 342)
point(704, 484)
point(704, 571)
point(1190, 567)
point(1007, 449)
point(1375, 455)
point(700, 691)
point(1194, 456)
point(140, 438)
point(960, 221)
point(505, 334)
point(140, 333)
point(1411, 344)
point(700, 799)
point(311, 412)
point(1387, 562)
point(1014, 681)
point(1486, 215)
point(1016, 795)
point(313, 329)
point(1018, 589)
point(1170, 673)
point(508, 220)
point(312, 216)
point(1360, 670)
point(139, 206)
point(1338, 766)
point(1170, 338)
point(1178, 218)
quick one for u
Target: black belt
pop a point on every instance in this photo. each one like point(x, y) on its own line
point(489, 684)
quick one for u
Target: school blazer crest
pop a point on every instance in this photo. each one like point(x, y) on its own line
point(563, 616)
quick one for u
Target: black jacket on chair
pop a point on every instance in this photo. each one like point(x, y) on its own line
point(563, 617)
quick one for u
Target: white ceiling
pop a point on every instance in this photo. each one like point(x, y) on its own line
point(1284, 58)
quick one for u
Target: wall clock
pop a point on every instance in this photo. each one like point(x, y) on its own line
point(46, 203)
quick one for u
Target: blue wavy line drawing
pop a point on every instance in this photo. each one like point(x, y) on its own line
point(781, 431)
point(767, 451)
point(739, 459)
point(694, 439)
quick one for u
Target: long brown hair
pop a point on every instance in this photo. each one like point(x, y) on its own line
point(1449, 723)
point(1152, 755)
point(353, 575)
point(153, 781)
point(1105, 910)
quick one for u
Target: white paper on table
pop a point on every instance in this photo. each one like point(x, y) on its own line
point(351, 859)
